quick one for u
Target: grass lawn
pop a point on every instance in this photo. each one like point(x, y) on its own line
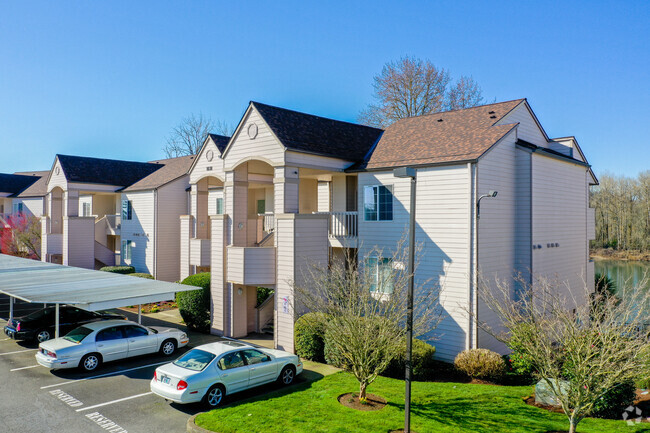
point(436, 407)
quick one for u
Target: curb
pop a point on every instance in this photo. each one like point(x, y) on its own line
point(193, 428)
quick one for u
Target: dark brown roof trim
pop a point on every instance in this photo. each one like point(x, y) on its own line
point(550, 153)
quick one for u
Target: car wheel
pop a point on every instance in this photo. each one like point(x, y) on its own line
point(214, 396)
point(90, 362)
point(42, 335)
point(287, 375)
point(168, 347)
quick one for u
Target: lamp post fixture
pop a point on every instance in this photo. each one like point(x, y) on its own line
point(409, 172)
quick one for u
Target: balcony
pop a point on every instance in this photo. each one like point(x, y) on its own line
point(342, 228)
point(113, 224)
point(200, 252)
point(54, 243)
point(251, 266)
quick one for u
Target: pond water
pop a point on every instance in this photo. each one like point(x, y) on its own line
point(624, 273)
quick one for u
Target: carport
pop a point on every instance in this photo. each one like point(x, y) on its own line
point(49, 283)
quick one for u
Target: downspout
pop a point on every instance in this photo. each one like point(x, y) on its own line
point(470, 252)
point(475, 276)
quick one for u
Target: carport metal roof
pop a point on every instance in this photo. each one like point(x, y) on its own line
point(49, 283)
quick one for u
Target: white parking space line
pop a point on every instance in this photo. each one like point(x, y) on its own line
point(114, 401)
point(113, 373)
point(25, 368)
point(5, 339)
point(17, 351)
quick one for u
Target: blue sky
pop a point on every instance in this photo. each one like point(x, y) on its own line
point(110, 79)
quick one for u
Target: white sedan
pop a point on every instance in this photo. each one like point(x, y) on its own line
point(88, 346)
point(209, 372)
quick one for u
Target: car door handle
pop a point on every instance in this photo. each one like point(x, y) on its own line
point(224, 375)
point(131, 341)
point(252, 368)
point(100, 345)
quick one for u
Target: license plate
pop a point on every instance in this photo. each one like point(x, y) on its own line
point(166, 380)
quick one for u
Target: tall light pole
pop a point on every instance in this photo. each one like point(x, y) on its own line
point(409, 172)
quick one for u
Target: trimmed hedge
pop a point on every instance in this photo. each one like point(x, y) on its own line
point(142, 275)
point(119, 269)
point(194, 306)
point(481, 364)
point(421, 360)
point(309, 336)
point(612, 405)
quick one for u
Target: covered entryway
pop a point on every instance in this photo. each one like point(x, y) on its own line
point(48, 283)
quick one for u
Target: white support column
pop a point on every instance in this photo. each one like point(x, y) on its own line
point(56, 321)
point(11, 307)
point(140, 314)
point(324, 194)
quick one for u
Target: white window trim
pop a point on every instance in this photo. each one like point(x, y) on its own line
point(377, 210)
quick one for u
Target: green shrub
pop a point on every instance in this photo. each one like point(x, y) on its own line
point(480, 364)
point(331, 353)
point(309, 336)
point(421, 360)
point(613, 403)
point(263, 294)
point(519, 361)
point(118, 269)
point(142, 275)
point(194, 306)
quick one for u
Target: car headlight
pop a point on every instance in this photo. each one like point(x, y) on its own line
point(183, 336)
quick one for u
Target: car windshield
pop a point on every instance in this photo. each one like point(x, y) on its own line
point(76, 335)
point(195, 360)
point(38, 314)
point(152, 330)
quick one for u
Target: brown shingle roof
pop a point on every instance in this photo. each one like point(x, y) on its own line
point(15, 183)
point(171, 169)
point(450, 136)
point(38, 188)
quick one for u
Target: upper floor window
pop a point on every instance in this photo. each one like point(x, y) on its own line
point(378, 203)
point(380, 271)
point(127, 210)
point(18, 208)
point(220, 206)
point(127, 247)
point(86, 209)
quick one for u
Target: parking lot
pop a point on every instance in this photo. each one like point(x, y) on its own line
point(115, 398)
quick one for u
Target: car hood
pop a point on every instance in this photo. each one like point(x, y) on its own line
point(164, 329)
point(277, 353)
point(57, 344)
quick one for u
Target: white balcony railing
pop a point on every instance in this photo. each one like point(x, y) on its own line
point(342, 224)
point(268, 221)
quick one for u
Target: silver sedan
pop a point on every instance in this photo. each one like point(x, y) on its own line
point(88, 346)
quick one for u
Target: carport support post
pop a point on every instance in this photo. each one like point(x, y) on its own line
point(139, 314)
point(56, 320)
point(11, 307)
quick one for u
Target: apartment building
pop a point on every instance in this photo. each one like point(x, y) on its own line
point(21, 192)
point(291, 188)
point(103, 212)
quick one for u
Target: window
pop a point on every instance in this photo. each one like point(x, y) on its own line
point(380, 272)
point(195, 360)
point(127, 247)
point(86, 210)
point(127, 209)
point(261, 207)
point(230, 361)
point(220, 206)
point(18, 207)
point(112, 333)
point(135, 331)
point(78, 334)
point(378, 203)
point(255, 356)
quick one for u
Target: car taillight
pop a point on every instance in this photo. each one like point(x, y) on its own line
point(155, 376)
point(181, 385)
point(48, 353)
point(18, 327)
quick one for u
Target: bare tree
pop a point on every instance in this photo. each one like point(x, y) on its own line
point(465, 93)
point(188, 136)
point(413, 87)
point(366, 310)
point(579, 354)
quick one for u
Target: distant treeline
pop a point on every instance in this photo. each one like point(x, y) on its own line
point(622, 212)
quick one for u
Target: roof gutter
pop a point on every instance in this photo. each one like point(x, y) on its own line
point(431, 164)
point(550, 153)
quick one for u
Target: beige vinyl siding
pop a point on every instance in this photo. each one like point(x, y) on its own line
point(79, 242)
point(31, 206)
point(140, 230)
point(498, 226)
point(213, 195)
point(285, 241)
point(528, 129)
point(220, 304)
point(443, 203)
point(264, 146)
point(186, 223)
point(104, 204)
point(202, 167)
point(324, 196)
point(57, 179)
point(300, 159)
point(171, 204)
point(339, 194)
point(308, 195)
point(559, 216)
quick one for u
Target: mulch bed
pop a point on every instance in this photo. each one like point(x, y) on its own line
point(153, 308)
point(373, 402)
